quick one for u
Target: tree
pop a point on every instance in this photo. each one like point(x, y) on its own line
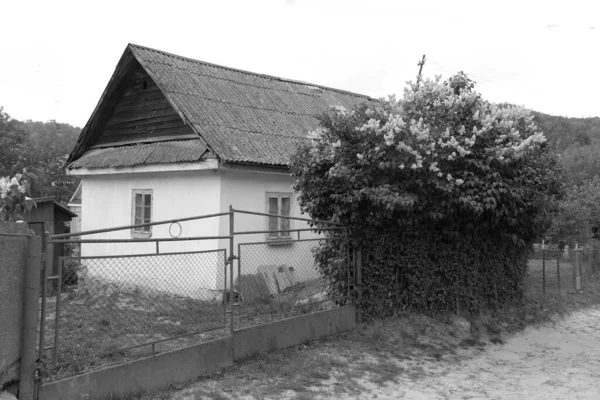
point(440, 153)
point(12, 143)
point(38, 151)
point(440, 187)
point(579, 215)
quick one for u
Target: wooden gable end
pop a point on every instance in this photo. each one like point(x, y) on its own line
point(142, 114)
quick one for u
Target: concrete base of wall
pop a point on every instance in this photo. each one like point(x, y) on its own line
point(293, 331)
point(152, 373)
point(147, 374)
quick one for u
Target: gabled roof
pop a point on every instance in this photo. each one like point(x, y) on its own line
point(240, 116)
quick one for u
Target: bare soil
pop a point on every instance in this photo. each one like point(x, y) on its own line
point(547, 347)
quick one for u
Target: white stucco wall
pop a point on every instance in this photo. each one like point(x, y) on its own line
point(247, 191)
point(107, 203)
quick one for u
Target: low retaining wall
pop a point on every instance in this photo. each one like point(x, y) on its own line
point(293, 331)
point(182, 365)
point(146, 374)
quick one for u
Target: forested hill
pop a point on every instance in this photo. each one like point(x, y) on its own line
point(40, 150)
point(564, 132)
point(577, 140)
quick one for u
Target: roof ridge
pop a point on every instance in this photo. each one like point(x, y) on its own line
point(251, 73)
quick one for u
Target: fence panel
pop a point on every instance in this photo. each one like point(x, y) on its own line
point(278, 280)
point(550, 271)
point(118, 308)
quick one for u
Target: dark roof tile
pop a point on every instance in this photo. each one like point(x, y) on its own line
point(142, 154)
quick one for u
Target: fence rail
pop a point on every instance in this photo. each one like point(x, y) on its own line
point(552, 270)
point(100, 309)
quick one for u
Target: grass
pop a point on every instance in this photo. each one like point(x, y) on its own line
point(382, 352)
point(98, 328)
point(337, 365)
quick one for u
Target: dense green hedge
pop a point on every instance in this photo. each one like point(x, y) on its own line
point(467, 184)
point(423, 271)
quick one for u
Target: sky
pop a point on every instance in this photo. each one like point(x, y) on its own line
point(56, 57)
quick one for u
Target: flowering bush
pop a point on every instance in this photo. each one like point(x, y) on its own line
point(441, 160)
point(13, 202)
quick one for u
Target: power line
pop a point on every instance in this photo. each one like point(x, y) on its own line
point(479, 78)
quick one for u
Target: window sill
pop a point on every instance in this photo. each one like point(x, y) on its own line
point(140, 235)
point(280, 241)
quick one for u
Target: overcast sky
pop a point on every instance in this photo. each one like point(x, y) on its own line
point(56, 57)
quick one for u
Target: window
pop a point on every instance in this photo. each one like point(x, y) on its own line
point(142, 212)
point(278, 204)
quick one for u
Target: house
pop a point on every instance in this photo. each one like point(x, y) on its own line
point(174, 137)
point(74, 205)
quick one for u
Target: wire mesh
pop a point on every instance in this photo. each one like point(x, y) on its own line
point(550, 271)
point(278, 280)
point(118, 308)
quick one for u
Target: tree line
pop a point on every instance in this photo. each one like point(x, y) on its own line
point(38, 151)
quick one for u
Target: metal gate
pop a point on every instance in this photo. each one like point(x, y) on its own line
point(114, 305)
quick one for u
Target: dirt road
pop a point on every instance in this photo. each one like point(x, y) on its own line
point(553, 362)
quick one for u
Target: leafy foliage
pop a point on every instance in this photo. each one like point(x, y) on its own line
point(38, 151)
point(443, 169)
point(13, 202)
point(579, 217)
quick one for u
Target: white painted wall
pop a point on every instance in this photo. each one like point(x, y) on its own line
point(107, 203)
point(247, 190)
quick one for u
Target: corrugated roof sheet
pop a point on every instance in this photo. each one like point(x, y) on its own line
point(242, 116)
point(142, 154)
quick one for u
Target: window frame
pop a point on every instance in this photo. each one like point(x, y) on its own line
point(140, 232)
point(279, 196)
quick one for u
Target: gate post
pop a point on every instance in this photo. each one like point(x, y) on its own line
point(30, 311)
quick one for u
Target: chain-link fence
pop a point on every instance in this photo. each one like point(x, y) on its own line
point(117, 308)
point(552, 270)
point(278, 280)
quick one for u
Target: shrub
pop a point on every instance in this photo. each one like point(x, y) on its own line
point(439, 182)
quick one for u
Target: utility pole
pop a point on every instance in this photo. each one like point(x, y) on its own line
point(420, 64)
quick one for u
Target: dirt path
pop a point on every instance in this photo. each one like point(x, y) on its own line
point(553, 362)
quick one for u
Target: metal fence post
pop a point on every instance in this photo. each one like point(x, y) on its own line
point(358, 283)
point(575, 269)
point(543, 269)
point(581, 278)
point(231, 258)
point(57, 310)
point(30, 313)
point(558, 272)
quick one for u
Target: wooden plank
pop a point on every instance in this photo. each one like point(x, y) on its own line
point(110, 126)
point(163, 134)
point(136, 88)
point(141, 97)
point(144, 104)
point(140, 114)
point(144, 127)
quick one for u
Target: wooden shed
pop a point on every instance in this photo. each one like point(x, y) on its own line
point(50, 216)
